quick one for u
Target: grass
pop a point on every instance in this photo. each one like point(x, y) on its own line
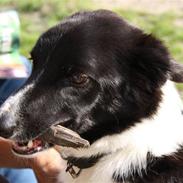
point(37, 16)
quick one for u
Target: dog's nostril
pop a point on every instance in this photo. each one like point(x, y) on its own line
point(7, 126)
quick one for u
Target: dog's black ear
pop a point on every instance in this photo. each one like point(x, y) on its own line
point(176, 72)
point(157, 57)
point(150, 61)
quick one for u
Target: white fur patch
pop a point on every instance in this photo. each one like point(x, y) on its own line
point(160, 135)
point(13, 102)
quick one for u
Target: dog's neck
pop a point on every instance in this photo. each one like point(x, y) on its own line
point(159, 135)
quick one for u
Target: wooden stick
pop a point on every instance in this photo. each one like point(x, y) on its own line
point(62, 136)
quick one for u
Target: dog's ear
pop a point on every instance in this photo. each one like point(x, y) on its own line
point(155, 58)
point(176, 72)
point(150, 61)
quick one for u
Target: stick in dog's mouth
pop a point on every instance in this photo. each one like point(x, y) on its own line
point(55, 135)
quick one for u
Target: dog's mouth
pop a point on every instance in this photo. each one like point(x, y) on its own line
point(30, 147)
point(35, 145)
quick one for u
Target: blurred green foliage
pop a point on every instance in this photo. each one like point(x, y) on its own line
point(37, 16)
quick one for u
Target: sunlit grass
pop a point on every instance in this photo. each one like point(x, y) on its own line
point(37, 16)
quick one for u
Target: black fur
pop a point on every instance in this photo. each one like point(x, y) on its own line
point(84, 162)
point(126, 69)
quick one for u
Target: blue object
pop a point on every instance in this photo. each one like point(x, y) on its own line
point(18, 175)
point(7, 87)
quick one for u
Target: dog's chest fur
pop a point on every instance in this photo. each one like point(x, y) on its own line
point(148, 150)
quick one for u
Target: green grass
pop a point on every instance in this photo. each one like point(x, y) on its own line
point(37, 16)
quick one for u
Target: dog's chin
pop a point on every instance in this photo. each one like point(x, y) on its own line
point(31, 147)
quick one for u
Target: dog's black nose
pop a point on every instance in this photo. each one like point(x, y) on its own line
point(7, 126)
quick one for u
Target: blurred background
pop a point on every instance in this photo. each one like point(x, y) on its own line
point(162, 18)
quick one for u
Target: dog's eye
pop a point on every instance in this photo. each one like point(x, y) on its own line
point(79, 79)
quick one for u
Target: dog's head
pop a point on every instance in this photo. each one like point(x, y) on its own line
point(93, 73)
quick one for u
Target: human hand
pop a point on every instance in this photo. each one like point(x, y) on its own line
point(47, 165)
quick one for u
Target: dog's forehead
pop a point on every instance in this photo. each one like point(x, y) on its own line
point(82, 26)
point(86, 40)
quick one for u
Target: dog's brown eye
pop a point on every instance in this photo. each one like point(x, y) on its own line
point(79, 79)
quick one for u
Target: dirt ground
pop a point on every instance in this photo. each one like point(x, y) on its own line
point(152, 6)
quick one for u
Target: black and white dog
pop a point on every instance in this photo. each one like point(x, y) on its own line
point(111, 83)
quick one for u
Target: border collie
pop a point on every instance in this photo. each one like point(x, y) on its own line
point(112, 84)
